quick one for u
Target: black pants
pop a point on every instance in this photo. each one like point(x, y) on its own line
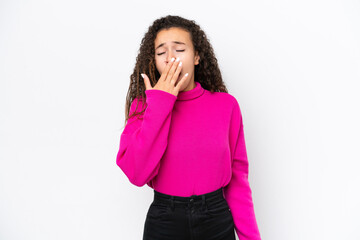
point(199, 217)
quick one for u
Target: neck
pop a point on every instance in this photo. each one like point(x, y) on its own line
point(190, 86)
point(195, 91)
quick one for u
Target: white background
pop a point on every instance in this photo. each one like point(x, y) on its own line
point(294, 67)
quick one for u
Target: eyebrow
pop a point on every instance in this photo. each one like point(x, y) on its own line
point(176, 42)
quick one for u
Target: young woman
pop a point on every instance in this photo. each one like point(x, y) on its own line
point(184, 137)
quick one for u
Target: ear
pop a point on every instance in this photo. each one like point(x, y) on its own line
point(197, 58)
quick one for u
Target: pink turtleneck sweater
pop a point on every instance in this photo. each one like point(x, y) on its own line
point(190, 144)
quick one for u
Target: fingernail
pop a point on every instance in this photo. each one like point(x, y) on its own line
point(142, 75)
point(172, 59)
point(186, 74)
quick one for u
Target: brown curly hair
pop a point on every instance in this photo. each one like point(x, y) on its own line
point(207, 72)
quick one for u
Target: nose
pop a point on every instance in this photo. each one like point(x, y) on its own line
point(170, 56)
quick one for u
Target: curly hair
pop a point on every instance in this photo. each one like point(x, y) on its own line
point(207, 72)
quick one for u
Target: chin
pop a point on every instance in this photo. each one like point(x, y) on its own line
point(186, 84)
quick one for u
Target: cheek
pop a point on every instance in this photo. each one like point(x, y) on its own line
point(187, 65)
point(187, 61)
point(159, 65)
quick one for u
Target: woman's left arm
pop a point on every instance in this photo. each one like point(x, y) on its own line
point(238, 192)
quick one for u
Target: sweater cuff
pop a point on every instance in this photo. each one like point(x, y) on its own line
point(160, 98)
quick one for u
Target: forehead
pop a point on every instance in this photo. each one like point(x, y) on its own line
point(172, 34)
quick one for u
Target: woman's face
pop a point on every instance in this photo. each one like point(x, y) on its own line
point(172, 43)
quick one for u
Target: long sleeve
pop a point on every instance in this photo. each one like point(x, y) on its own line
point(145, 138)
point(238, 193)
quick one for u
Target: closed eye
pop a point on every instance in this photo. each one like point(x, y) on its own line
point(176, 50)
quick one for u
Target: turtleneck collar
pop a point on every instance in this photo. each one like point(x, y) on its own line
point(196, 92)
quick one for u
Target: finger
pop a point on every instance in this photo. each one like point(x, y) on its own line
point(167, 68)
point(181, 82)
point(177, 73)
point(172, 70)
point(146, 81)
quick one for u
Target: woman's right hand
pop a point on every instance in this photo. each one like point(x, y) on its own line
point(168, 78)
